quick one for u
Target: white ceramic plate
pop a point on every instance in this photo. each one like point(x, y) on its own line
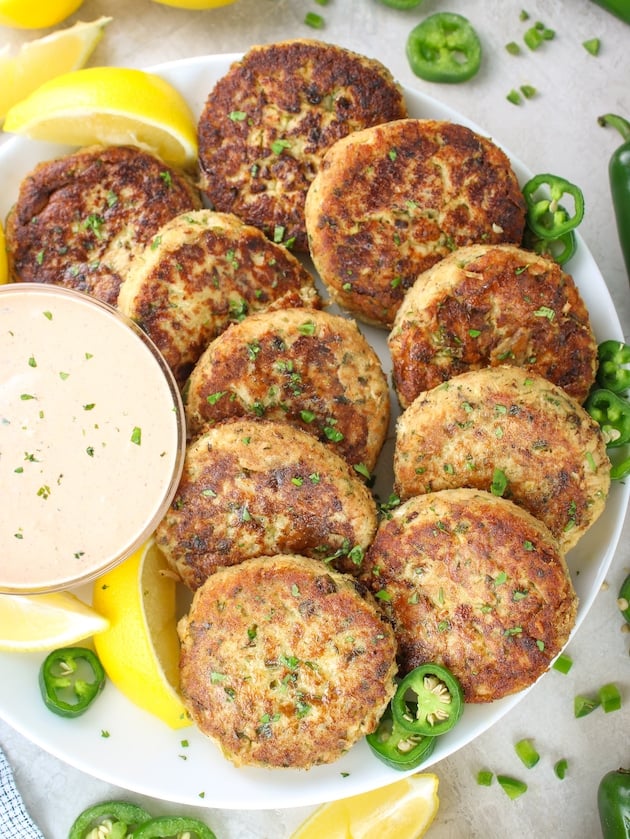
point(122, 745)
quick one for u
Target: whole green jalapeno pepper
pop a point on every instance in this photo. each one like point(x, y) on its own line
point(618, 8)
point(619, 174)
point(70, 679)
point(114, 819)
point(612, 414)
point(613, 370)
point(613, 804)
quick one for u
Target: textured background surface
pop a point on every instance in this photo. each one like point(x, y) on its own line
point(557, 131)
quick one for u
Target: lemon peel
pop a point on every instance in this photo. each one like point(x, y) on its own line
point(4, 268)
point(44, 58)
point(22, 15)
point(404, 809)
point(109, 106)
point(29, 623)
point(140, 650)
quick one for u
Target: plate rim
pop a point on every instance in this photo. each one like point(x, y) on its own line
point(289, 788)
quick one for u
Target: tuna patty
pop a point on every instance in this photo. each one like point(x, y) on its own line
point(202, 271)
point(310, 368)
point(80, 220)
point(511, 431)
point(268, 121)
point(475, 583)
point(393, 199)
point(486, 305)
point(284, 662)
point(255, 487)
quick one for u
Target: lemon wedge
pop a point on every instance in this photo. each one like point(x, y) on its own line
point(4, 268)
point(45, 621)
point(44, 58)
point(140, 650)
point(23, 15)
point(402, 810)
point(111, 106)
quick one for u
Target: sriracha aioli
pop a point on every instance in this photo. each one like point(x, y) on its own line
point(91, 437)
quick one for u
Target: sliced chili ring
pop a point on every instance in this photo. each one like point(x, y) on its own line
point(70, 679)
point(163, 827)
point(118, 818)
point(444, 47)
point(545, 215)
point(428, 701)
point(397, 748)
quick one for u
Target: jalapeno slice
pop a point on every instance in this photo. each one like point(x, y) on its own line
point(623, 601)
point(70, 679)
point(560, 249)
point(428, 701)
point(165, 827)
point(612, 414)
point(546, 216)
point(401, 4)
point(396, 748)
point(444, 48)
point(613, 370)
point(113, 819)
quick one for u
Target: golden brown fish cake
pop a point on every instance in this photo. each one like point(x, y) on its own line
point(268, 121)
point(486, 305)
point(393, 199)
point(285, 663)
point(475, 583)
point(79, 220)
point(512, 431)
point(202, 271)
point(307, 367)
point(254, 488)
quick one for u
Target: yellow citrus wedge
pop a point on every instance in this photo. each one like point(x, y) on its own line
point(112, 106)
point(4, 268)
point(402, 810)
point(44, 58)
point(36, 15)
point(195, 4)
point(140, 650)
point(45, 621)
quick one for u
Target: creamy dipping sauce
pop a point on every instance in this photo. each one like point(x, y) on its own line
point(91, 437)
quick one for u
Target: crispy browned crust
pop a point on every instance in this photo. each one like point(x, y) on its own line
point(79, 220)
point(255, 487)
point(486, 305)
point(550, 451)
point(285, 663)
point(393, 199)
point(310, 368)
point(302, 95)
point(202, 271)
point(475, 583)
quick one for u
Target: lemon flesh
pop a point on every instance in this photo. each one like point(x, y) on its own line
point(29, 623)
point(402, 810)
point(140, 650)
point(44, 58)
point(36, 15)
point(4, 268)
point(110, 106)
